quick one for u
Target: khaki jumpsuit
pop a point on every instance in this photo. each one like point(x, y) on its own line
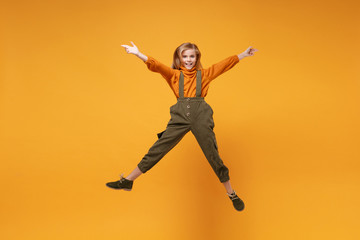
point(188, 114)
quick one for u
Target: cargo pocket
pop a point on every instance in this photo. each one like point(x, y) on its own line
point(160, 134)
point(215, 145)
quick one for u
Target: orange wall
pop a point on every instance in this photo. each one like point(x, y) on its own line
point(76, 110)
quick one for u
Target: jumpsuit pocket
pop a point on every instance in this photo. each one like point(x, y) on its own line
point(211, 110)
point(160, 134)
point(172, 108)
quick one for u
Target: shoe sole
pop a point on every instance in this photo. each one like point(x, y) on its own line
point(125, 189)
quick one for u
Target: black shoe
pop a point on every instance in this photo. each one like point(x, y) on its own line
point(123, 183)
point(237, 202)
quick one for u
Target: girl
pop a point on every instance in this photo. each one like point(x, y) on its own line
point(190, 84)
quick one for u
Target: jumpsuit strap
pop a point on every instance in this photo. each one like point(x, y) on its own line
point(198, 84)
point(181, 85)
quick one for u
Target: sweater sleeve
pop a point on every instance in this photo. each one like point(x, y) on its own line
point(156, 66)
point(221, 67)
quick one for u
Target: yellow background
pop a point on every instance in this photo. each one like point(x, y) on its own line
point(76, 110)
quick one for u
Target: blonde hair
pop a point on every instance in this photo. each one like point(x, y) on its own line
point(177, 55)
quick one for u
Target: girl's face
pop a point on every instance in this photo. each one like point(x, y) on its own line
point(188, 58)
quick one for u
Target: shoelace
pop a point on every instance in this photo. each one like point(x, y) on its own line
point(122, 178)
point(233, 195)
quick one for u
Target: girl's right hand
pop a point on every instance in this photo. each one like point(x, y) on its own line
point(131, 49)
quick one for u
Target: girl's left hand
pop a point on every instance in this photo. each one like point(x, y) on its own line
point(249, 52)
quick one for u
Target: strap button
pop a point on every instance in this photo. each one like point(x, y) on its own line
point(188, 114)
point(188, 106)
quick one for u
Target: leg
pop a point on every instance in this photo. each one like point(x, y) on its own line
point(169, 138)
point(228, 187)
point(206, 139)
point(152, 153)
point(134, 174)
point(175, 131)
point(204, 134)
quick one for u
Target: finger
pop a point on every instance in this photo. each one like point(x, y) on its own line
point(133, 44)
point(125, 46)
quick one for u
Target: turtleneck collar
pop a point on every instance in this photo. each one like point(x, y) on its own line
point(184, 69)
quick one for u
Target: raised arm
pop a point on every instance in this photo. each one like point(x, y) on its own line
point(134, 50)
point(152, 64)
point(219, 68)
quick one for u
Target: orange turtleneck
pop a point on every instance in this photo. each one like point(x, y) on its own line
point(172, 76)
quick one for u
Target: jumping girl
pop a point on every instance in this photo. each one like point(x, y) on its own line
point(190, 84)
